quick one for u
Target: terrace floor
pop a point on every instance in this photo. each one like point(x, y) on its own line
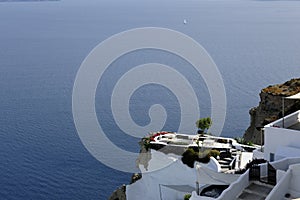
point(256, 190)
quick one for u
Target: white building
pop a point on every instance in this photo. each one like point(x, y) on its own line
point(281, 149)
point(282, 138)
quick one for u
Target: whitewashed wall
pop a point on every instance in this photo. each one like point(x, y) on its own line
point(234, 190)
point(279, 137)
point(294, 188)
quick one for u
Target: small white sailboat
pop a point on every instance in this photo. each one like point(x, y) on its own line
point(184, 21)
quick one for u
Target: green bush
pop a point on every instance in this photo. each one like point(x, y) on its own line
point(214, 153)
point(190, 156)
point(250, 143)
point(187, 196)
point(243, 141)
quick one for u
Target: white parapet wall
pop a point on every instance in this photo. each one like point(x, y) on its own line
point(294, 188)
point(258, 154)
point(284, 164)
point(279, 137)
point(288, 183)
point(235, 188)
point(288, 121)
point(279, 175)
point(280, 188)
point(246, 157)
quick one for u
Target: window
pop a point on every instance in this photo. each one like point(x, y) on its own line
point(272, 157)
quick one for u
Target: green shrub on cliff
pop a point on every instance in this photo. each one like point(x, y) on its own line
point(214, 153)
point(146, 143)
point(243, 141)
point(187, 196)
point(288, 88)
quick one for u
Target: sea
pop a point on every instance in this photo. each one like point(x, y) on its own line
point(254, 43)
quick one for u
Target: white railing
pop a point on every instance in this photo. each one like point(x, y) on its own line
point(284, 164)
point(289, 120)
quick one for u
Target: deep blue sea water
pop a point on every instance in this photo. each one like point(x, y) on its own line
point(42, 44)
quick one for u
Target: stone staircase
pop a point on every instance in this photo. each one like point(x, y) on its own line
point(256, 190)
point(225, 162)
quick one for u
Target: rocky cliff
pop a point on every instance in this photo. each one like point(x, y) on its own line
point(120, 193)
point(270, 107)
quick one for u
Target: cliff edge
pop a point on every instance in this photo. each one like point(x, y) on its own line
point(270, 107)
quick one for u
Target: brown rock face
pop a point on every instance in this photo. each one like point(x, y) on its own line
point(135, 177)
point(270, 107)
point(119, 194)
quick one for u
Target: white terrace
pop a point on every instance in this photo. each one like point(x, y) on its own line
point(232, 154)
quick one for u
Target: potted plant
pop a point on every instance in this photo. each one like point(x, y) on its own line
point(203, 124)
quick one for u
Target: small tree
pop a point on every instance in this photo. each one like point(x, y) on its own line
point(203, 124)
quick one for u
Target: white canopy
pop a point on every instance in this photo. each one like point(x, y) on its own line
point(295, 96)
point(208, 176)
